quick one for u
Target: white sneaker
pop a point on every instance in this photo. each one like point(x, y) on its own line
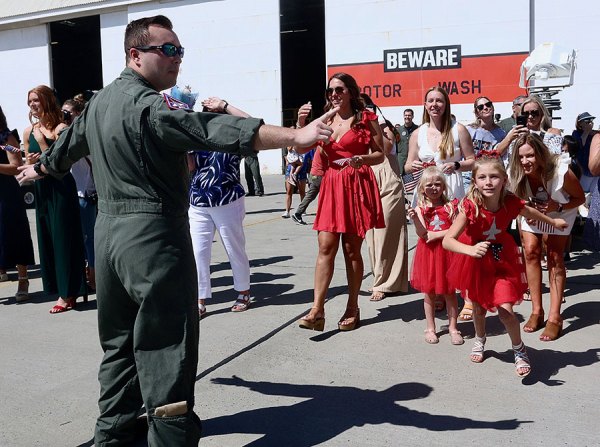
point(286, 215)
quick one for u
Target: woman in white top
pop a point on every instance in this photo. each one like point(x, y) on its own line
point(545, 180)
point(441, 140)
point(447, 143)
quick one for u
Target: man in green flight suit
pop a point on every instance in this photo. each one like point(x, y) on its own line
point(146, 277)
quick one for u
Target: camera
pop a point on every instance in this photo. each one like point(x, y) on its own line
point(521, 120)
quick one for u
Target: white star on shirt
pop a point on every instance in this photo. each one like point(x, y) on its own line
point(437, 223)
point(492, 232)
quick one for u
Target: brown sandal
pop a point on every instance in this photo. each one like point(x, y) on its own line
point(552, 331)
point(535, 322)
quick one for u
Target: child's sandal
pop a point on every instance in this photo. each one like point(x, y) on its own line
point(431, 337)
point(477, 350)
point(521, 360)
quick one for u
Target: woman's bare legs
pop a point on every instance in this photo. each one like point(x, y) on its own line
point(351, 245)
point(328, 247)
point(532, 247)
point(289, 191)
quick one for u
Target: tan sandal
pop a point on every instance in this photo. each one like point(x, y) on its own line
point(466, 314)
point(456, 338)
point(431, 337)
point(316, 323)
point(552, 331)
point(377, 296)
point(535, 322)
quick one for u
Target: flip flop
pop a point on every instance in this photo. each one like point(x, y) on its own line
point(377, 296)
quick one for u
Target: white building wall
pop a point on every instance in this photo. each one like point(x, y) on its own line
point(357, 32)
point(112, 31)
point(25, 64)
point(232, 51)
point(574, 25)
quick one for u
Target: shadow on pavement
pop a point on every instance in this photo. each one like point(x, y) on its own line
point(328, 411)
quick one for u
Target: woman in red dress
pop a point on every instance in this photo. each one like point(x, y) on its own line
point(349, 202)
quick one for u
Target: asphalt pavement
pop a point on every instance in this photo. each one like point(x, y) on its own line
point(263, 381)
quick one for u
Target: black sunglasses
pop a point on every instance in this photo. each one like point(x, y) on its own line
point(487, 104)
point(531, 113)
point(168, 49)
point(337, 90)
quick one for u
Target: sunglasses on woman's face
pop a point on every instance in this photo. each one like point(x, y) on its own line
point(487, 104)
point(531, 113)
point(337, 90)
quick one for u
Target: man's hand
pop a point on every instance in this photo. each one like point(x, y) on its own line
point(27, 173)
point(316, 131)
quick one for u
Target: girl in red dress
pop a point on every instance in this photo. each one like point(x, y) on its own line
point(349, 202)
point(432, 218)
point(488, 266)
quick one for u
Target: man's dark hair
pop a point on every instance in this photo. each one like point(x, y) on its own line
point(409, 110)
point(137, 35)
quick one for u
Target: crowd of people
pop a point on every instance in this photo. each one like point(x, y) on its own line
point(517, 185)
point(65, 209)
point(475, 182)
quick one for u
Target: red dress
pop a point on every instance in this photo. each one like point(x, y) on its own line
point(431, 260)
point(498, 277)
point(349, 199)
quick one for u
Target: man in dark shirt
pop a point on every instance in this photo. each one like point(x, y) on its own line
point(508, 123)
point(405, 131)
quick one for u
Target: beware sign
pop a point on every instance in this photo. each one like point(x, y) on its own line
point(404, 75)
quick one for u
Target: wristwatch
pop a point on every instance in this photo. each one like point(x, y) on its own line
point(37, 167)
point(456, 165)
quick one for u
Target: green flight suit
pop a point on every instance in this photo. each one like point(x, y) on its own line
point(405, 133)
point(145, 271)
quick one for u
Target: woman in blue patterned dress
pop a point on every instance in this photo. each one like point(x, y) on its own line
point(217, 203)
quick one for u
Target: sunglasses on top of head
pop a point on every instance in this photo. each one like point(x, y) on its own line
point(488, 104)
point(532, 113)
point(337, 90)
point(168, 49)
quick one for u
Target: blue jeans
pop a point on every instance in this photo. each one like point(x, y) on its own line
point(87, 214)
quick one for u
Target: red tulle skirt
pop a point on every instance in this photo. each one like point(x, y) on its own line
point(488, 281)
point(430, 264)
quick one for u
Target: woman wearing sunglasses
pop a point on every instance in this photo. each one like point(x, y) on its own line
point(485, 133)
point(349, 202)
point(539, 122)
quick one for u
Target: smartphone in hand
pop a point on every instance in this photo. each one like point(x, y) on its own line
point(521, 120)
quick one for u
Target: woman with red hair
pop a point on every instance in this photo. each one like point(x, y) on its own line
point(60, 239)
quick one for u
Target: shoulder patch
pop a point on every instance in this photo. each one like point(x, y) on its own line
point(175, 104)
